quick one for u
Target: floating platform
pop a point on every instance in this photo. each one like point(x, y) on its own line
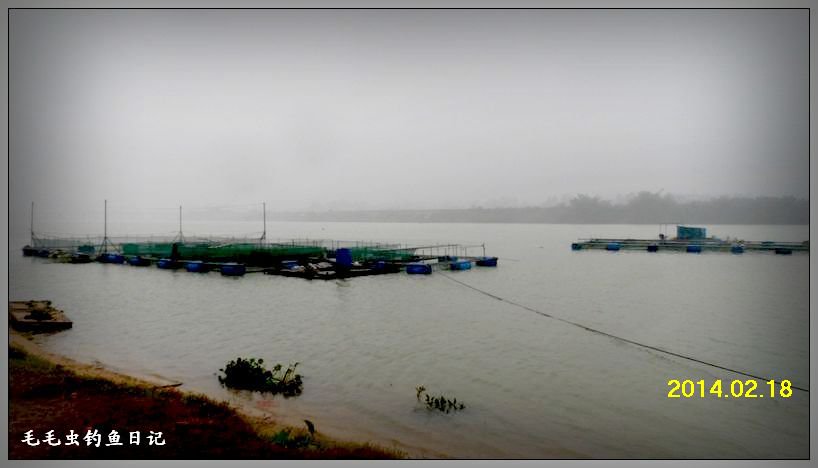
point(691, 239)
point(309, 259)
point(37, 316)
point(691, 245)
point(329, 270)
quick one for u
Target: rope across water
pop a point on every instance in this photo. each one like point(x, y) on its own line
point(619, 338)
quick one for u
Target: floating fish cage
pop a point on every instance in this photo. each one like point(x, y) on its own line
point(304, 258)
point(649, 245)
point(691, 240)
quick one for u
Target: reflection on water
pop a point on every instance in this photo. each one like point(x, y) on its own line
point(534, 387)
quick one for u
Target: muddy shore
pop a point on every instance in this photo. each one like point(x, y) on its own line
point(48, 392)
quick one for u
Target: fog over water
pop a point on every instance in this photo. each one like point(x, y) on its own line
point(436, 126)
point(534, 387)
point(413, 109)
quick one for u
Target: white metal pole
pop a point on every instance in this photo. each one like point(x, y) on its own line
point(264, 233)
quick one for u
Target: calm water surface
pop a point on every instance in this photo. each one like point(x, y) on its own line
point(534, 387)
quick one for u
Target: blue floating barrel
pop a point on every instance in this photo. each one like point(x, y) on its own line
point(419, 269)
point(289, 264)
point(111, 258)
point(653, 248)
point(694, 248)
point(136, 260)
point(233, 269)
point(576, 246)
point(196, 266)
point(613, 246)
point(460, 265)
point(487, 261)
point(379, 265)
point(737, 249)
point(43, 253)
point(783, 251)
point(343, 257)
point(167, 264)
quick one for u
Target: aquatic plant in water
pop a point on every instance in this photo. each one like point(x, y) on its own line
point(440, 403)
point(250, 374)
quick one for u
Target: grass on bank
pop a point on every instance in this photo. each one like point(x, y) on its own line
point(45, 396)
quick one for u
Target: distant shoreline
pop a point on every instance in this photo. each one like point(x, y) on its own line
point(310, 219)
point(642, 208)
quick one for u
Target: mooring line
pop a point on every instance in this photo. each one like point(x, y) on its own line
point(600, 332)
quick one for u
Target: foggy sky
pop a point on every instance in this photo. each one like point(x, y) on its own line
point(402, 109)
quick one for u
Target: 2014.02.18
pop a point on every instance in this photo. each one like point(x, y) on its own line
point(736, 389)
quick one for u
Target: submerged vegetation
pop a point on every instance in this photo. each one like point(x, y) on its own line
point(440, 403)
point(250, 374)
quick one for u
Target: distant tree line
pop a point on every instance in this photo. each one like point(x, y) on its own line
point(643, 208)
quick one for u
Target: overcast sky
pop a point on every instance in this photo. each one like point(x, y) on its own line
point(413, 109)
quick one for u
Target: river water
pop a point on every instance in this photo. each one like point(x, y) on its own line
point(534, 387)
